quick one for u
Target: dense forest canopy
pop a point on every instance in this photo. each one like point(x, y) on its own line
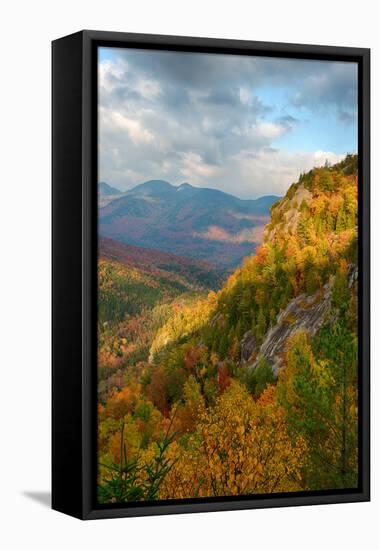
point(248, 389)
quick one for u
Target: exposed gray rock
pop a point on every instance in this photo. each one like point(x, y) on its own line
point(302, 313)
point(352, 275)
point(291, 213)
point(218, 319)
point(248, 346)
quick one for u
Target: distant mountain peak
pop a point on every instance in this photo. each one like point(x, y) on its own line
point(184, 185)
point(105, 189)
point(196, 222)
point(152, 187)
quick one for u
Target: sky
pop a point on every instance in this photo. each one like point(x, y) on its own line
point(245, 125)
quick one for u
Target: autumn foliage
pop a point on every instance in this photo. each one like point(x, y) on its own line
point(181, 415)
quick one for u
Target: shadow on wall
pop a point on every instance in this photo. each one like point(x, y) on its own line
point(41, 497)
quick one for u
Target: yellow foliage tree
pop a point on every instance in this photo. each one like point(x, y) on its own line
point(240, 447)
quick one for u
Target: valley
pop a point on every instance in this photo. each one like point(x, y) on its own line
point(200, 223)
point(227, 339)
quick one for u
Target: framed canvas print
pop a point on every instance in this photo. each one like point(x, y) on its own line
point(210, 275)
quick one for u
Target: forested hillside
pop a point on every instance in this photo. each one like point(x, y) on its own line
point(139, 289)
point(249, 389)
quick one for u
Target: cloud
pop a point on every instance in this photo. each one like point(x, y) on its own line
point(288, 121)
point(333, 89)
point(215, 121)
point(134, 129)
point(273, 171)
point(269, 131)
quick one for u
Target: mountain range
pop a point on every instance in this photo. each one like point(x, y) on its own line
point(262, 374)
point(200, 223)
point(106, 193)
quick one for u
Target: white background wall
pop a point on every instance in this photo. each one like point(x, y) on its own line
point(27, 28)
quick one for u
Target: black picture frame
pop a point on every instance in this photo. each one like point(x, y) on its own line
point(74, 205)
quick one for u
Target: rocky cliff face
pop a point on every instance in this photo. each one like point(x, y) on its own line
point(288, 212)
point(302, 313)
